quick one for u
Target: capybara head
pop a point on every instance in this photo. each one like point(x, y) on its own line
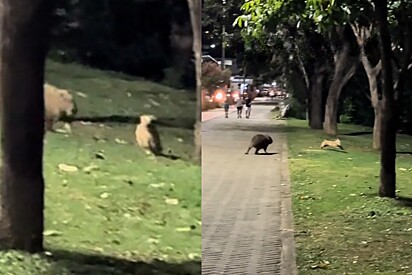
point(269, 139)
point(69, 107)
point(147, 119)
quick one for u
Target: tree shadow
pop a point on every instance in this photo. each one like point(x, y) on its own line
point(404, 153)
point(78, 263)
point(335, 150)
point(185, 123)
point(357, 133)
point(170, 156)
point(404, 201)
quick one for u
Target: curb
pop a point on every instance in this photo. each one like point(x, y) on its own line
point(288, 254)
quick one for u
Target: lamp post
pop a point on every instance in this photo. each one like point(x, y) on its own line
point(223, 34)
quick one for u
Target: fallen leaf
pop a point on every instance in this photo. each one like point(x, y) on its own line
point(120, 141)
point(157, 185)
point(104, 195)
point(67, 168)
point(193, 256)
point(172, 201)
point(153, 241)
point(155, 103)
point(183, 229)
point(100, 155)
point(48, 253)
point(51, 233)
point(81, 94)
point(321, 264)
point(90, 168)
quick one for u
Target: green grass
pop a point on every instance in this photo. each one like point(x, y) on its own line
point(341, 225)
point(114, 219)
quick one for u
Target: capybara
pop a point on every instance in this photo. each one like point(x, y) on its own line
point(147, 136)
point(58, 103)
point(331, 143)
point(259, 142)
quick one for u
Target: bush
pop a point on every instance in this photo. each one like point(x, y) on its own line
point(297, 110)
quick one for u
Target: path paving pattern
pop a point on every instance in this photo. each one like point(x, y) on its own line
point(246, 217)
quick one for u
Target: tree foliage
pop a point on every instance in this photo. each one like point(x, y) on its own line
point(213, 76)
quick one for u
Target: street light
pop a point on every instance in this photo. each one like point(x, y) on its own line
point(223, 34)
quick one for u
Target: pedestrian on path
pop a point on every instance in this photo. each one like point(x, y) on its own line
point(248, 103)
point(226, 106)
point(239, 106)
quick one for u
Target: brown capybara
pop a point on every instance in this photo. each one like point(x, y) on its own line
point(331, 143)
point(147, 136)
point(58, 103)
point(259, 142)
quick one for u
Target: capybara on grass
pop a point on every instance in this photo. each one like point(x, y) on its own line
point(331, 143)
point(58, 103)
point(147, 136)
point(259, 142)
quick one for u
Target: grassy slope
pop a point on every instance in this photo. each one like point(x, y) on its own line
point(101, 222)
point(338, 216)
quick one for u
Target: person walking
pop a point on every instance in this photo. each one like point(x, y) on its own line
point(239, 107)
point(226, 106)
point(248, 103)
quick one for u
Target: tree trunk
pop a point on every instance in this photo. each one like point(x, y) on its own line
point(195, 8)
point(24, 36)
point(363, 34)
point(377, 127)
point(345, 68)
point(315, 101)
point(388, 132)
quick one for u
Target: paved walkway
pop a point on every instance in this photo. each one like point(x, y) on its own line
point(246, 208)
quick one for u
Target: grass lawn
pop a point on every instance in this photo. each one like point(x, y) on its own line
point(121, 212)
point(341, 225)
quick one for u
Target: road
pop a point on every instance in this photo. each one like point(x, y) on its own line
point(246, 208)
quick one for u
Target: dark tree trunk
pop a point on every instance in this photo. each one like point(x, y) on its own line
point(388, 132)
point(315, 98)
point(24, 36)
point(345, 68)
point(195, 8)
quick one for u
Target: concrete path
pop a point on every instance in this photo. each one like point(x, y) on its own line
point(246, 208)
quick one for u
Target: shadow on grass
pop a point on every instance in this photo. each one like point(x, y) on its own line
point(185, 123)
point(81, 263)
point(404, 153)
point(353, 134)
point(335, 150)
point(170, 156)
point(404, 201)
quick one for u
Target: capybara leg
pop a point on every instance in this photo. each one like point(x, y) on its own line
point(341, 147)
point(257, 151)
point(248, 149)
point(49, 125)
point(265, 149)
